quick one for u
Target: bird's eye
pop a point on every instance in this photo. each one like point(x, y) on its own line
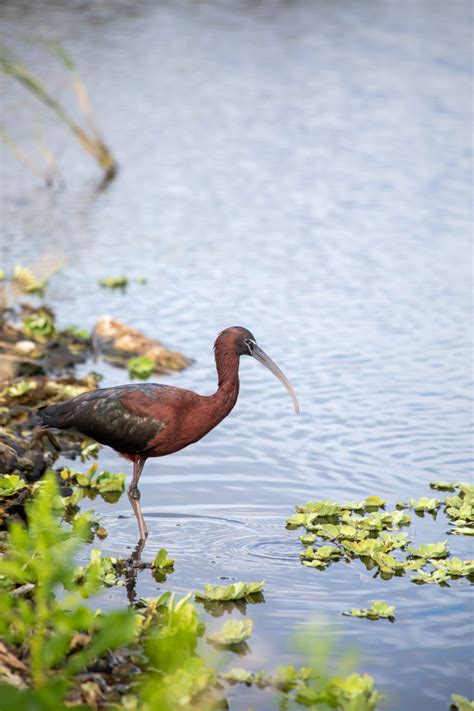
point(250, 344)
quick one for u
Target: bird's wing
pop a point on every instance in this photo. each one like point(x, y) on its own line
point(104, 416)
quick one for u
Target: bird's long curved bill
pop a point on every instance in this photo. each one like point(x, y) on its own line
point(265, 360)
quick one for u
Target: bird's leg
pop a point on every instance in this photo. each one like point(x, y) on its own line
point(134, 497)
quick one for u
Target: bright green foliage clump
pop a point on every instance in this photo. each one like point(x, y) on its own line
point(320, 557)
point(162, 561)
point(102, 483)
point(430, 550)
point(40, 324)
point(10, 484)
point(106, 570)
point(460, 509)
point(111, 282)
point(19, 388)
point(141, 367)
point(378, 609)
point(57, 638)
point(424, 503)
point(232, 632)
point(236, 591)
point(162, 566)
point(357, 531)
point(307, 688)
point(444, 570)
point(442, 486)
point(460, 703)
point(43, 556)
point(170, 640)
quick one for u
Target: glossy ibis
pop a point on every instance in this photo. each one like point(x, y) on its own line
point(151, 420)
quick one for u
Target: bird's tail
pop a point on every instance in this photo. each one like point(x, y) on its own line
point(54, 415)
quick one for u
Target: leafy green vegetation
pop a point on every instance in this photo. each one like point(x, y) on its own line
point(424, 503)
point(377, 610)
point(430, 550)
point(232, 632)
point(11, 484)
point(141, 367)
point(111, 282)
point(442, 486)
point(359, 533)
point(101, 482)
point(162, 566)
point(40, 324)
point(42, 555)
point(236, 591)
point(53, 644)
point(460, 703)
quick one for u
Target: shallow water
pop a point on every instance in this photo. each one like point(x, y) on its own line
point(303, 169)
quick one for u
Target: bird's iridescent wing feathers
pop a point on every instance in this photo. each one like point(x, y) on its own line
point(104, 416)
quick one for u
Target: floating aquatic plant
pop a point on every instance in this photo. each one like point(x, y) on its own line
point(233, 632)
point(460, 703)
point(103, 482)
point(424, 503)
point(430, 550)
point(141, 367)
point(236, 591)
point(111, 282)
point(359, 534)
point(442, 486)
point(377, 610)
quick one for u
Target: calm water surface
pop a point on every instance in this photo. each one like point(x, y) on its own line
point(303, 169)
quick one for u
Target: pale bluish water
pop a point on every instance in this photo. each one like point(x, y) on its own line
point(303, 169)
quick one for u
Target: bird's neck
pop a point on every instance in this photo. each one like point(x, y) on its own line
point(227, 364)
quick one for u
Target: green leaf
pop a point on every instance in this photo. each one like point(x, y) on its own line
point(39, 324)
point(465, 488)
point(111, 282)
point(378, 609)
point(425, 504)
point(461, 703)
point(232, 632)
point(430, 550)
point(19, 388)
point(140, 367)
point(161, 560)
point(442, 486)
point(107, 482)
point(10, 484)
point(455, 567)
point(321, 556)
point(463, 531)
point(320, 509)
point(374, 501)
point(236, 591)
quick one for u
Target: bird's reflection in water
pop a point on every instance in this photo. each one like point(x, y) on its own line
point(134, 565)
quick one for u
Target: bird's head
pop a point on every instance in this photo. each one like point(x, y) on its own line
point(242, 342)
